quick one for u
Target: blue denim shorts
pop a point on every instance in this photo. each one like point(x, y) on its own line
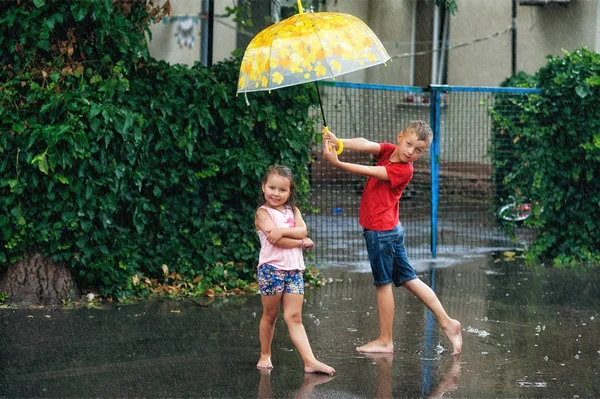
point(273, 281)
point(387, 255)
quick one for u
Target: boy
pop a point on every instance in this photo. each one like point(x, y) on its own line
point(379, 216)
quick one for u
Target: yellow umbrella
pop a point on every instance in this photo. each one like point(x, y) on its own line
point(308, 47)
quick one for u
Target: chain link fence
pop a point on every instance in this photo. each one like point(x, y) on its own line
point(461, 207)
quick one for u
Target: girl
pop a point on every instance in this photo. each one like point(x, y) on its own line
point(282, 234)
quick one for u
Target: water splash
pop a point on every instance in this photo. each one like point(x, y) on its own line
point(480, 333)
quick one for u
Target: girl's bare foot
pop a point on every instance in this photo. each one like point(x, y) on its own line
point(376, 347)
point(452, 331)
point(318, 367)
point(264, 362)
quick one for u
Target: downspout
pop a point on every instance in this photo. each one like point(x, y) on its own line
point(276, 11)
point(443, 50)
point(413, 41)
point(514, 38)
point(211, 28)
point(204, 33)
point(435, 48)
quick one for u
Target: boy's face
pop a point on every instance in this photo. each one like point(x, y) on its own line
point(410, 148)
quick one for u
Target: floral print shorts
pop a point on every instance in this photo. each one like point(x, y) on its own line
point(273, 281)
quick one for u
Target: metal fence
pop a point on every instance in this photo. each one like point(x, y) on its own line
point(449, 205)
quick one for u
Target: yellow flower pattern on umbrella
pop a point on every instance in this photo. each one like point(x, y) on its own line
point(308, 47)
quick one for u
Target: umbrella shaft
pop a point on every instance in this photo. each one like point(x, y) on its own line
point(320, 103)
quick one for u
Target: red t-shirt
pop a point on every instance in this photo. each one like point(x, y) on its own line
point(379, 206)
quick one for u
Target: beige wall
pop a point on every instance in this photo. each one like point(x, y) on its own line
point(224, 31)
point(548, 30)
point(485, 63)
point(164, 42)
point(391, 21)
point(540, 31)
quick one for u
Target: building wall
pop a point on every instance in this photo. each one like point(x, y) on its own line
point(548, 30)
point(541, 31)
point(391, 21)
point(224, 32)
point(164, 46)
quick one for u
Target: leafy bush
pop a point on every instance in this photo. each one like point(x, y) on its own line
point(116, 164)
point(556, 157)
point(507, 125)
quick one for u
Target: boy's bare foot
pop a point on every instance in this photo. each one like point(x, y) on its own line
point(318, 367)
point(452, 331)
point(376, 347)
point(264, 362)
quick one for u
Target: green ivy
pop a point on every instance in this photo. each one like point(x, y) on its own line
point(554, 156)
point(116, 164)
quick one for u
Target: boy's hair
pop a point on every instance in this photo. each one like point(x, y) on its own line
point(282, 171)
point(421, 129)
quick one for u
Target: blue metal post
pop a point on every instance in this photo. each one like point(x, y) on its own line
point(436, 105)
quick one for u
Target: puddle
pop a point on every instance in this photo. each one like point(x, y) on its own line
point(519, 323)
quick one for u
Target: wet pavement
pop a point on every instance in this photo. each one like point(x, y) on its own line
point(529, 332)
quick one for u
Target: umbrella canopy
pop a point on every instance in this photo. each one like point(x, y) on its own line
point(308, 47)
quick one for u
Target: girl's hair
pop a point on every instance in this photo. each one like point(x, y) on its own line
point(282, 171)
point(421, 130)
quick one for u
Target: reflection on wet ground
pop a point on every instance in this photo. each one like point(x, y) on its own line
point(528, 331)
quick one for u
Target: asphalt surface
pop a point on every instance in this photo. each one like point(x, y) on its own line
point(528, 331)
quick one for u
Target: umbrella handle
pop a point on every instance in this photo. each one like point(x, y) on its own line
point(331, 147)
point(300, 10)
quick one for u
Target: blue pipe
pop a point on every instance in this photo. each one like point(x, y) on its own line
point(371, 86)
point(484, 89)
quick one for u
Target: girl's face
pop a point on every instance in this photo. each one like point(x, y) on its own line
point(276, 191)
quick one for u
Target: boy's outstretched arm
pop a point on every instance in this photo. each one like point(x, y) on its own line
point(378, 172)
point(357, 144)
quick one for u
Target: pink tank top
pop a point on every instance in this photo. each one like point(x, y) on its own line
point(281, 258)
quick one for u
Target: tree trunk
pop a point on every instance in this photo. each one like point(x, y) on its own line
point(38, 281)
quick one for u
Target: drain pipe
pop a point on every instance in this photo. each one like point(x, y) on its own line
point(413, 40)
point(204, 33)
point(211, 29)
point(443, 47)
point(514, 38)
point(435, 48)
